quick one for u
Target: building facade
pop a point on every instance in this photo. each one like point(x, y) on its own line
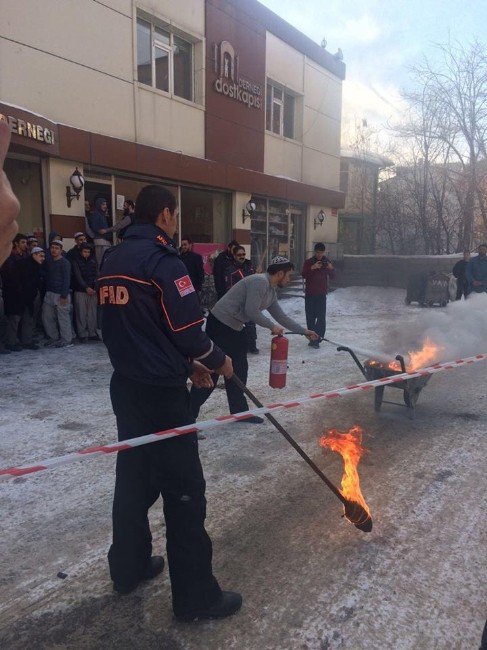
point(220, 100)
point(359, 179)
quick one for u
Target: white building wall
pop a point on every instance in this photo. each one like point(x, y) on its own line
point(75, 63)
point(314, 157)
point(326, 233)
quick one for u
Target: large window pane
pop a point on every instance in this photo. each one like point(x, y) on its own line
point(162, 68)
point(162, 36)
point(288, 116)
point(144, 69)
point(183, 68)
point(205, 215)
point(276, 118)
point(268, 108)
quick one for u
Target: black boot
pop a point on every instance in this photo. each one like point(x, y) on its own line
point(154, 568)
point(229, 603)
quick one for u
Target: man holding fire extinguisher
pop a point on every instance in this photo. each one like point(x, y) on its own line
point(245, 302)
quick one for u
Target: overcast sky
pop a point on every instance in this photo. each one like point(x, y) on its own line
point(380, 39)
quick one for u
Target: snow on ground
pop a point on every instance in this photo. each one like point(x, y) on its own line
point(309, 579)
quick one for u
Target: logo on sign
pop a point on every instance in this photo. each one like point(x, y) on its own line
point(184, 285)
point(229, 82)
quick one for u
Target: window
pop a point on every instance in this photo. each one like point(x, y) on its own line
point(280, 111)
point(164, 60)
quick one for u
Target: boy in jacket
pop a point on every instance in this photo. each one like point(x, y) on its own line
point(85, 303)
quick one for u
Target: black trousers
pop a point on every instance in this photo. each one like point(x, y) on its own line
point(315, 307)
point(251, 335)
point(234, 344)
point(171, 469)
point(462, 289)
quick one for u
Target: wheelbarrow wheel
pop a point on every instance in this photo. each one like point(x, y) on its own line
point(378, 397)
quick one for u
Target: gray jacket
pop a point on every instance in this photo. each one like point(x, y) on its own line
point(245, 302)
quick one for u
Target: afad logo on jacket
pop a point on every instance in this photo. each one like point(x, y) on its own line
point(184, 285)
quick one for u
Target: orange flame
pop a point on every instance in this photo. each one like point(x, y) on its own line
point(428, 354)
point(349, 445)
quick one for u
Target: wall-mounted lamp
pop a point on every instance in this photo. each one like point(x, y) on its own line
point(77, 183)
point(248, 211)
point(318, 220)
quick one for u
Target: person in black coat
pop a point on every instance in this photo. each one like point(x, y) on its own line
point(193, 262)
point(460, 272)
point(238, 269)
point(23, 285)
point(84, 275)
point(224, 259)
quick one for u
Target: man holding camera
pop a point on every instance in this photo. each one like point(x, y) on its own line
point(316, 271)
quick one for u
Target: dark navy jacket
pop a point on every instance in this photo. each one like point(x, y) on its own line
point(151, 316)
point(194, 263)
point(235, 272)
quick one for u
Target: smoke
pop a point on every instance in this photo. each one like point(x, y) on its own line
point(460, 330)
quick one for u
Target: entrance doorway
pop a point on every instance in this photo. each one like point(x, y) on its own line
point(25, 177)
point(95, 190)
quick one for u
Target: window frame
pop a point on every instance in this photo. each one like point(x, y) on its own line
point(155, 42)
point(275, 101)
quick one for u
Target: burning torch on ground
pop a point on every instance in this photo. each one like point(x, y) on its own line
point(349, 445)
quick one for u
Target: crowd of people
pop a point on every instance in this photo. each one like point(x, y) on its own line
point(49, 294)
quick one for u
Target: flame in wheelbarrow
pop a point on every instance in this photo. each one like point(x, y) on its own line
point(429, 353)
point(349, 445)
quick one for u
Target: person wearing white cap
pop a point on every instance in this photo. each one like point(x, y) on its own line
point(75, 252)
point(245, 302)
point(56, 308)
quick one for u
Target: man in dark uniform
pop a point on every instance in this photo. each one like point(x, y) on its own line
point(224, 259)
point(193, 262)
point(151, 324)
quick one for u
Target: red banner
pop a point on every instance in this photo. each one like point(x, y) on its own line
point(208, 252)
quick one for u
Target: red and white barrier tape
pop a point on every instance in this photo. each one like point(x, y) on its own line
point(91, 452)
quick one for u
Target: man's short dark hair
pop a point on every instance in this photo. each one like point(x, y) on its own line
point(188, 239)
point(320, 246)
point(85, 246)
point(232, 243)
point(18, 237)
point(130, 203)
point(151, 201)
point(272, 269)
point(238, 248)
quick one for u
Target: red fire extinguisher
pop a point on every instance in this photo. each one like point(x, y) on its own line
point(278, 367)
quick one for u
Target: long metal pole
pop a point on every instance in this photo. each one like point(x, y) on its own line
point(291, 441)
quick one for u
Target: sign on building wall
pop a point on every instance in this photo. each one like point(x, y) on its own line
point(229, 82)
point(29, 130)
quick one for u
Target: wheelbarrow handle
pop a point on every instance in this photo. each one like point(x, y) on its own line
point(344, 348)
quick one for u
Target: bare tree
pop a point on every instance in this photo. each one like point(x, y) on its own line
point(455, 93)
